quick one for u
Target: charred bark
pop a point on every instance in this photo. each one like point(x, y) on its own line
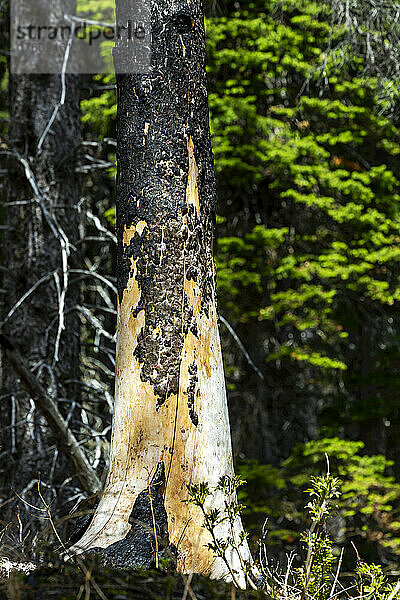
point(38, 245)
point(170, 400)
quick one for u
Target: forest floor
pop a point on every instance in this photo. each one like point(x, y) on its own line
point(60, 582)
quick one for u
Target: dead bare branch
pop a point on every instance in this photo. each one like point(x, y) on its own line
point(46, 405)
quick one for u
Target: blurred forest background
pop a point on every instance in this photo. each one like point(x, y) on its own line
point(305, 132)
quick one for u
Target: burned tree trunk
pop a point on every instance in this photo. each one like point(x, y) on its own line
point(42, 220)
point(170, 426)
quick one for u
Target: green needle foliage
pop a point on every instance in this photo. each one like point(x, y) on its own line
point(309, 226)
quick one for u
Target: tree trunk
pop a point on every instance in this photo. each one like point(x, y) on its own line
point(42, 222)
point(170, 424)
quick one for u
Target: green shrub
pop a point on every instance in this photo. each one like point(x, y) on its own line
point(319, 575)
point(368, 509)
